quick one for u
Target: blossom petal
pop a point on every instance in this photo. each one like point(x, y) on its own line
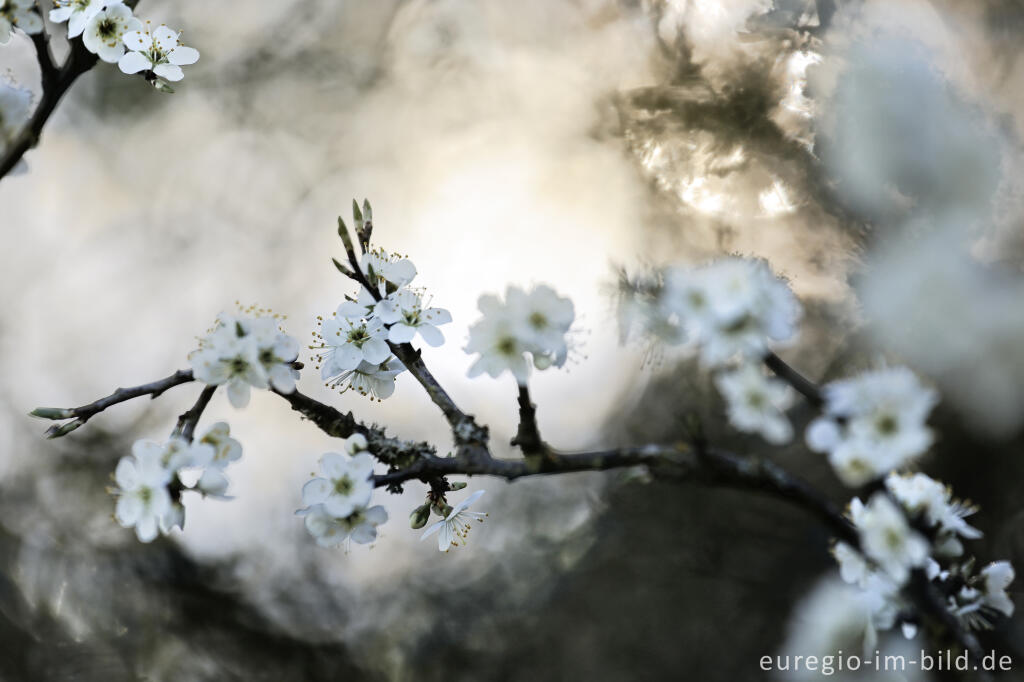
point(432, 335)
point(376, 351)
point(137, 41)
point(364, 533)
point(146, 529)
point(315, 491)
point(133, 62)
point(165, 38)
point(171, 72)
point(126, 475)
point(183, 56)
point(128, 510)
point(238, 393)
point(401, 333)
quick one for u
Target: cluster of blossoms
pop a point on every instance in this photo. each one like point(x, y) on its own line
point(871, 426)
point(337, 502)
point(873, 423)
point(352, 349)
point(730, 310)
point(112, 32)
point(534, 322)
point(243, 351)
point(151, 479)
point(915, 524)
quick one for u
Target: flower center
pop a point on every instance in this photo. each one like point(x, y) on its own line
point(506, 345)
point(887, 425)
point(107, 29)
point(344, 485)
point(538, 320)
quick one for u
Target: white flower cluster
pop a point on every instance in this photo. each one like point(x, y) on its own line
point(890, 548)
point(873, 423)
point(731, 310)
point(534, 322)
point(144, 499)
point(352, 350)
point(337, 502)
point(244, 351)
point(110, 31)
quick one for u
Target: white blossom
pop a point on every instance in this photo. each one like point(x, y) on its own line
point(159, 51)
point(887, 538)
point(142, 495)
point(920, 494)
point(454, 528)
point(346, 342)
point(404, 311)
point(873, 423)
point(104, 31)
point(76, 12)
point(346, 484)
point(331, 531)
point(731, 307)
point(757, 403)
point(374, 380)
point(20, 14)
point(388, 272)
point(997, 577)
point(243, 352)
point(222, 449)
point(536, 323)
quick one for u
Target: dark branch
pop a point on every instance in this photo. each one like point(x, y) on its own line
point(527, 436)
point(805, 387)
point(80, 415)
point(188, 420)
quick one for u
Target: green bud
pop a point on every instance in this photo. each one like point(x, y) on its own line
point(357, 215)
point(341, 268)
point(51, 413)
point(163, 86)
point(345, 237)
point(60, 430)
point(458, 485)
point(441, 509)
point(419, 516)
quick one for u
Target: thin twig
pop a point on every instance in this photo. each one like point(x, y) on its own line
point(527, 436)
point(802, 385)
point(188, 420)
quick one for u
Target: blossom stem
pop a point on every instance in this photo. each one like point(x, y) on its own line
point(801, 384)
point(527, 437)
point(188, 420)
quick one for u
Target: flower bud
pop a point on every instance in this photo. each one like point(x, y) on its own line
point(51, 413)
point(541, 362)
point(419, 516)
point(458, 485)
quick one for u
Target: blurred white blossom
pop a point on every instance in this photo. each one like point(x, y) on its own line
point(18, 14)
point(757, 403)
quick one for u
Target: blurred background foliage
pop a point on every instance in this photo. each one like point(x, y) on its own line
point(850, 143)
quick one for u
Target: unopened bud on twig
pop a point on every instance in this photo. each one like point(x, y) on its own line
point(458, 485)
point(51, 413)
point(59, 430)
point(419, 516)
